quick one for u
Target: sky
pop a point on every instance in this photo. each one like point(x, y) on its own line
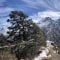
point(35, 9)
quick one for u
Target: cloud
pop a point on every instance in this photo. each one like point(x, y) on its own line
point(6, 9)
point(51, 14)
point(2, 1)
point(48, 4)
point(40, 15)
point(35, 3)
point(4, 12)
point(47, 8)
point(4, 25)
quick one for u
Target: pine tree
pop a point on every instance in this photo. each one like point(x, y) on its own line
point(19, 26)
point(23, 32)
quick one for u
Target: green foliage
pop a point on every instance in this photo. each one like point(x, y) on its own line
point(25, 33)
point(2, 40)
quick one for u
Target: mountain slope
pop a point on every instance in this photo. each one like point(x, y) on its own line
point(51, 28)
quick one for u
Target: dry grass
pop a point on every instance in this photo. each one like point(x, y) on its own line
point(6, 55)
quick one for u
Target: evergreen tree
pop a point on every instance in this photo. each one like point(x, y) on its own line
point(23, 32)
point(19, 26)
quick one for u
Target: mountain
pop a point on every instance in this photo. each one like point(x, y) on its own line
point(51, 29)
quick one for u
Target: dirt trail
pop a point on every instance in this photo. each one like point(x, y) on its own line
point(55, 56)
point(48, 53)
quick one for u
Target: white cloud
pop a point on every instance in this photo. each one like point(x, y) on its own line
point(47, 4)
point(51, 14)
point(2, 1)
point(4, 16)
point(40, 15)
point(5, 11)
point(4, 24)
point(35, 3)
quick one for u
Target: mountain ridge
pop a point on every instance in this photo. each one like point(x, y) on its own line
point(51, 28)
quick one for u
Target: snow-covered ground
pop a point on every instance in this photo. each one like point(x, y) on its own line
point(45, 52)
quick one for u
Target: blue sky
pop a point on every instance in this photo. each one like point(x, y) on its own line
point(28, 6)
point(33, 8)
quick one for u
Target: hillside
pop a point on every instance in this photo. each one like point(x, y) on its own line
point(51, 28)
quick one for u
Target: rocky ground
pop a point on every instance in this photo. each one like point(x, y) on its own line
point(48, 53)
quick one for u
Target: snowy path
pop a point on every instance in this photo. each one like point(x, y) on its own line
point(48, 53)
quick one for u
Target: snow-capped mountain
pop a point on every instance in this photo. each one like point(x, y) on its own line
point(51, 28)
point(45, 22)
